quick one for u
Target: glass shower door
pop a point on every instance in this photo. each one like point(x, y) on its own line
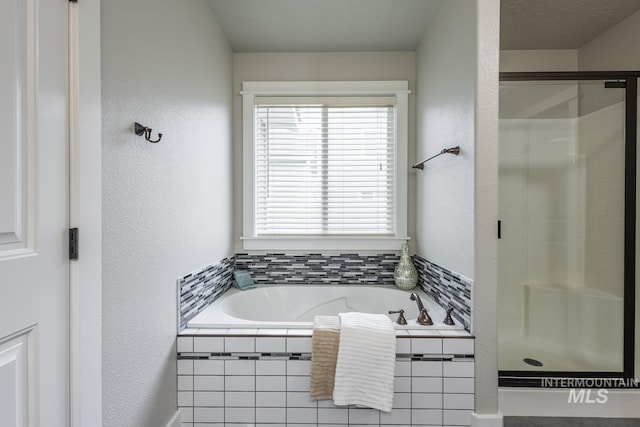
point(561, 208)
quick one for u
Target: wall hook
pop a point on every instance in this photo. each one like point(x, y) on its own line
point(143, 130)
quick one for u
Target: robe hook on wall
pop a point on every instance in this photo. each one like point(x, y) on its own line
point(143, 130)
point(452, 150)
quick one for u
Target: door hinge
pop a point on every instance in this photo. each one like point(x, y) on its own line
point(73, 243)
point(499, 229)
point(73, 1)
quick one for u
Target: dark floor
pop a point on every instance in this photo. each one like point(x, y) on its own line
point(569, 422)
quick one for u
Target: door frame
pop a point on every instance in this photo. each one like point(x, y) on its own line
point(85, 212)
point(630, 79)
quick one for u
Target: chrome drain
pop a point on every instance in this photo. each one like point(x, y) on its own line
point(532, 362)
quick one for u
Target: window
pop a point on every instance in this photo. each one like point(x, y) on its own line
point(324, 166)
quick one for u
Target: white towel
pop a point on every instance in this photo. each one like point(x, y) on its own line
point(366, 361)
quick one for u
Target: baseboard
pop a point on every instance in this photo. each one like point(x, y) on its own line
point(176, 420)
point(515, 401)
point(486, 420)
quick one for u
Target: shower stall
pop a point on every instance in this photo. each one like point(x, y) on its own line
point(567, 226)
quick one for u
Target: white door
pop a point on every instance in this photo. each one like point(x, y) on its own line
point(34, 265)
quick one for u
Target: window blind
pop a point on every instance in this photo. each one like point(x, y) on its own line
point(325, 166)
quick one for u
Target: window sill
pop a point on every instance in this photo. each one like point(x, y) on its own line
point(312, 243)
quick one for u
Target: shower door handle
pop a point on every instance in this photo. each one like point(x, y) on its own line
point(499, 229)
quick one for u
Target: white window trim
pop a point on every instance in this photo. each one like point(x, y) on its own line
point(397, 88)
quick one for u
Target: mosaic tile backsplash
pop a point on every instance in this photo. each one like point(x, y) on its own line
point(200, 288)
point(345, 269)
point(448, 289)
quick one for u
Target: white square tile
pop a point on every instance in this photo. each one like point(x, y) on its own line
point(271, 367)
point(402, 401)
point(302, 415)
point(186, 414)
point(299, 344)
point(403, 346)
point(239, 415)
point(458, 369)
point(208, 398)
point(396, 417)
point(454, 333)
point(298, 367)
point(212, 331)
point(327, 403)
point(240, 367)
point(457, 346)
point(402, 384)
point(403, 368)
point(185, 382)
point(426, 400)
point(208, 383)
point(427, 416)
point(186, 424)
point(246, 399)
point(457, 417)
point(241, 331)
point(185, 367)
point(301, 399)
point(208, 344)
point(208, 415)
point(459, 401)
point(304, 332)
point(271, 383)
point(185, 398)
point(185, 345)
point(426, 368)
point(273, 399)
point(333, 415)
point(239, 345)
point(298, 383)
point(363, 416)
point(208, 367)
point(271, 345)
point(329, 425)
point(269, 331)
point(426, 385)
point(458, 385)
point(239, 383)
point(426, 345)
point(271, 415)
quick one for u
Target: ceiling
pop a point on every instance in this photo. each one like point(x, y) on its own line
point(323, 25)
point(558, 24)
point(397, 25)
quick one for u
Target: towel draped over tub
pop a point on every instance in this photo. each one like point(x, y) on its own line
point(364, 348)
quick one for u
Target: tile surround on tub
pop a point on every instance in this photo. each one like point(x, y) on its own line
point(446, 288)
point(318, 269)
point(272, 389)
point(198, 289)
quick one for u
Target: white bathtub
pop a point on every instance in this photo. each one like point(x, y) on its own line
point(295, 306)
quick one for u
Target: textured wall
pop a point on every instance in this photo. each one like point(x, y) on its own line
point(446, 72)
point(167, 207)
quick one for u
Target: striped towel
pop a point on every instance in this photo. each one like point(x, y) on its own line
point(366, 361)
point(324, 352)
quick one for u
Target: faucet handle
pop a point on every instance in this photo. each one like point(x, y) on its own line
point(401, 320)
point(424, 318)
point(448, 320)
